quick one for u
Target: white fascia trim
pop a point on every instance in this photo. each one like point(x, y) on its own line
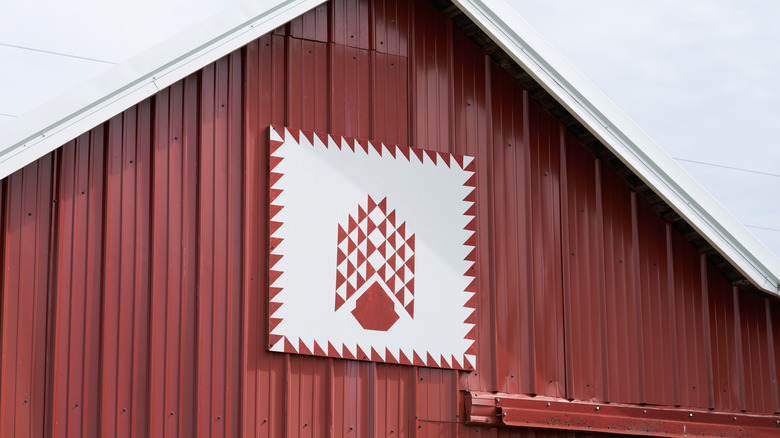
point(50, 126)
point(626, 140)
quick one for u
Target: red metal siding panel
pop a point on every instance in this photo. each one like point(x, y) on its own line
point(144, 298)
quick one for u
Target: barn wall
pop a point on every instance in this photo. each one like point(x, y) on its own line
point(134, 257)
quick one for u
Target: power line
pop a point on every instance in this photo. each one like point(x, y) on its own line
point(57, 53)
point(763, 228)
point(8, 115)
point(776, 175)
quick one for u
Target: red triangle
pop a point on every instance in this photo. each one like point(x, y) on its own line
point(471, 319)
point(369, 270)
point(391, 241)
point(472, 334)
point(472, 211)
point(302, 348)
point(400, 296)
point(383, 205)
point(472, 287)
point(472, 166)
point(410, 263)
point(471, 197)
point(361, 214)
point(391, 218)
point(371, 204)
point(273, 162)
point(272, 323)
point(371, 226)
point(469, 272)
point(377, 148)
point(402, 230)
point(444, 159)
point(400, 274)
point(273, 292)
point(389, 358)
point(410, 308)
point(472, 348)
point(274, 242)
point(375, 356)
point(391, 282)
point(361, 355)
point(432, 155)
point(273, 340)
point(275, 145)
point(309, 136)
point(456, 364)
point(361, 281)
point(346, 354)
point(340, 279)
point(273, 226)
point(410, 285)
point(352, 224)
point(431, 362)
point(323, 138)
point(418, 153)
point(459, 159)
point(370, 248)
point(467, 364)
point(472, 302)
point(351, 246)
point(274, 259)
point(288, 347)
point(350, 142)
point(391, 262)
point(275, 178)
point(417, 360)
point(443, 362)
point(472, 181)
point(404, 151)
point(383, 249)
point(350, 290)
point(361, 258)
point(342, 234)
point(471, 241)
point(339, 301)
point(318, 351)
point(361, 236)
point(390, 149)
point(472, 225)
point(472, 257)
point(273, 307)
point(403, 359)
point(275, 194)
point(340, 257)
point(401, 250)
point(332, 351)
point(410, 242)
point(273, 276)
point(381, 272)
point(363, 144)
point(350, 268)
point(295, 135)
point(383, 227)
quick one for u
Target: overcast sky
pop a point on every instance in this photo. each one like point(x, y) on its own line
point(699, 76)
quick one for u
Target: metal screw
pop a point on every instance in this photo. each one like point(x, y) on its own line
point(498, 400)
point(392, 430)
point(219, 417)
point(645, 411)
point(735, 418)
point(265, 420)
point(504, 414)
point(25, 400)
point(548, 403)
point(690, 415)
point(124, 409)
point(419, 426)
point(305, 424)
point(171, 413)
point(77, 405)
point(597, 408)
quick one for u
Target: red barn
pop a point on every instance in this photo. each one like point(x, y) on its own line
point(613, 294)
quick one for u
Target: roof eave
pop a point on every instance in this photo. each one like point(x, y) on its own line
point(626, 140)
point(40, 131)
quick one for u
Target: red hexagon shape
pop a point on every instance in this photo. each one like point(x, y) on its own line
point(374, 310)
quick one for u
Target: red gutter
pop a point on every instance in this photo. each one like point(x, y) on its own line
point(514, 410)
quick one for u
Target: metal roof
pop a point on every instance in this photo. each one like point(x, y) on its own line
point(37, 133)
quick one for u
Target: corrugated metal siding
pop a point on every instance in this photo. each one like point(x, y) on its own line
point(134, 257)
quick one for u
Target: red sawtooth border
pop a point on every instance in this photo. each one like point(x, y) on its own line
point(340, 351)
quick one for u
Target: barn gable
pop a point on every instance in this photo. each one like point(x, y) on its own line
point(134, 244)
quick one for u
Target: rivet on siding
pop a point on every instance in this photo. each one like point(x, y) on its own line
point(82, 193)
point(550, 380)
point(548, 403)
point(392, 430)
point(175, 138)
point(509, 145)
point(353, 57)
point(504, 414)
point(131, 161)
point(223, 105)
point(645, 411)
point(694, 387)
point(381, 42)
point(392, 64)
point(265, 420)
point(512, 376)
point(545, 173)
point(419, 426)
point(219, 417)
point(29, 214)
point(735, 418)
point(690, 415)
point(597, 408)
point(124, 409)
point(352, 36)
point(498, 400)
point(350, 427)
point(588, 385)
point(54, 201)
point(171, 413)
point(621, 261)
point(305, 424)
point(421, 378)
point(25, 400)
point(266, 44)
point(309, 51)
point(77, 405)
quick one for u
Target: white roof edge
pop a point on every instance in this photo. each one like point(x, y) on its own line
point(626, 140)
point(51, 125)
